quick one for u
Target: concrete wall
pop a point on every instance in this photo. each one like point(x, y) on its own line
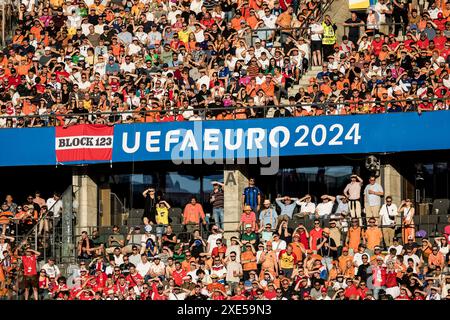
point(105, 205)
point(392, 183)
point(86, 196)
point(339, 12)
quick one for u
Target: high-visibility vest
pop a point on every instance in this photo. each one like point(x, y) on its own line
point(329, 36)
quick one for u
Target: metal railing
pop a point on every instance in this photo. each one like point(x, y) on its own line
point(266, 111)
point(50, 246)
point(379, 27)
point(423, 222)
point(118, 210)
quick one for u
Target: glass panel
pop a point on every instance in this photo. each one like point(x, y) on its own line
point(441, 180)
point(206, 183)
point(179, 187)
point(313, 180)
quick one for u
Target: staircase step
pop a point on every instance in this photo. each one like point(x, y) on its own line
point(315, 68)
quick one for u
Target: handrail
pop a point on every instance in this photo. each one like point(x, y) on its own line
point(43, 217)
point(235, 109)
point(118, 199)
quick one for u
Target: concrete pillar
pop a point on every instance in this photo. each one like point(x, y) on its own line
point(391, 181)
point(86, 198)
point(105, 205)
point(235, 180)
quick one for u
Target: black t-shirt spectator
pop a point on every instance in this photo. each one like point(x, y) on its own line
point(84, 243)
point(287, 292)
point(125, 268)
point(197, 248)
point(168, 244)
point(326, 251)
point(354, 31)
point(411, 246)
point(362, 271)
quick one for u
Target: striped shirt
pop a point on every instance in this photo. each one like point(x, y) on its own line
point(218, 199)
point(251, 196)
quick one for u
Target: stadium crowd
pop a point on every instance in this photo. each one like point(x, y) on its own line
point(154, 60)
point(345, 247)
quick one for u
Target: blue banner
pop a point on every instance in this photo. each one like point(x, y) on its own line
point(27, 146)
point(394, 132)
point(258, 138)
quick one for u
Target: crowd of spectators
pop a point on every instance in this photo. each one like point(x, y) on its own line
point(19, 219)
point(34, 217)
point(154, 60)
point(345, 247)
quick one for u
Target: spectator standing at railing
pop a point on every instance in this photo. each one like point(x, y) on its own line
point(372, 236)
point(316, 33)
point(382, 7)
point(407, 210)
point(284, 22)
point(38, 200)
point(150, 206)
point(354, 25)
point(55, 207)
point(353, 192)
point(400, 13)
point(31, 203)
point(192, 215)
point(12, 206)
point(329, 36)
point(354, 236)
point(372, 199)
point(5, 217)
point(252, 195)
point(388, 214)
point(216, 198)
point(162, 218)
point(29, 264)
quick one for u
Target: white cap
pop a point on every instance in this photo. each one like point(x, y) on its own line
point(47, 49)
